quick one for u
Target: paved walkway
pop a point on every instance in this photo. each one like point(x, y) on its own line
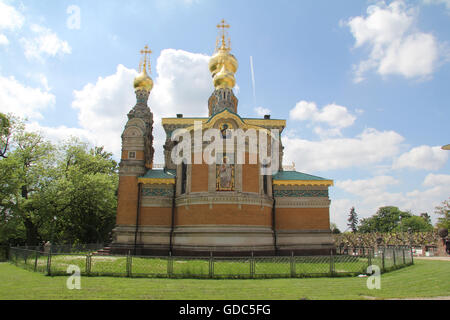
point(433, 258)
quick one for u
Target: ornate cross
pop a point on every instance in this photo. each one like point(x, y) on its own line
point(144, 53)
point(222, 26)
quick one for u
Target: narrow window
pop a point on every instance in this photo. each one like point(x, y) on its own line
point(132, 155)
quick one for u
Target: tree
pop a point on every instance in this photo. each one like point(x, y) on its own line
point(385, 220)
point(443, 211)
point(8, 124)
point(414, 224)
point(353, 220)
point(64, 193)
point(334, 228)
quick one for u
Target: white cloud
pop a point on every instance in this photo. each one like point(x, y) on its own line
point(432, 180)
point(103, 107)
point(372, 193)
point(366, 187)
point(261, 112)
point(182, 85)
point(22, 100)
point(3, 40)
point(423, 157)
point(396, 46)
point(335, 116)
point(444, 2)
point(45, 43)
point(10, 18)
point(368, 148)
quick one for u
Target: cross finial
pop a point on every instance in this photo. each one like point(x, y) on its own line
point(144, 60)
point(223, 26)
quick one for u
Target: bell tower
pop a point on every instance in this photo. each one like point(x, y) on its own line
point(137, 147)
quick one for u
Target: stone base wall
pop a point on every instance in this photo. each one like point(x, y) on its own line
point(220, 241)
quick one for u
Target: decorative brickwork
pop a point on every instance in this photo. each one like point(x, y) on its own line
point(301, 193)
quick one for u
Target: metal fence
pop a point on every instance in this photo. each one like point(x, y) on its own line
point(4, 253)
point(57, 263)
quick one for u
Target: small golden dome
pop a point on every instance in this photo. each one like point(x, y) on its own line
point(143, 81)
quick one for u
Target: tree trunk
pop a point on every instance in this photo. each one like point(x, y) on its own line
point(32, 233)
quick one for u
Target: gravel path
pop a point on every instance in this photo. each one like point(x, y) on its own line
point(433, 258)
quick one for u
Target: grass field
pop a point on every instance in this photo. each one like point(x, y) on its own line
point(423, 279)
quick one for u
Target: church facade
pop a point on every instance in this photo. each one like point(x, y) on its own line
point(225, 200)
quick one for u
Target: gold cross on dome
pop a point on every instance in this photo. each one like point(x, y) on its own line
point(223, 26)
point(145, 52)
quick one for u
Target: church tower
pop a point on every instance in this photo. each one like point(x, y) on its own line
point(232, 205)
point(137, 147)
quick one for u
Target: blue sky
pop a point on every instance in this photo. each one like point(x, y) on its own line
point(363, 85)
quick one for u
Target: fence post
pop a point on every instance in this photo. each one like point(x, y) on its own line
point(292, 265)
point(331, 263)
point(169, 265)
point(252, 266)
point(211, 265)
point(49, 263)
point(412, 255)
point(382, 260)
point(369, 252)
point(88, 263)
point(393, 255)
point(129, 264)
point(36, 254)
point(403, 253)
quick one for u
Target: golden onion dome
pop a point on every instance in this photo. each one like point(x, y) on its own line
point(220, 58)
point(224, 79)
point(143, 81)
point(223, 65)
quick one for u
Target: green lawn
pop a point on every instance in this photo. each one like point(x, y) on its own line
point(423, 279)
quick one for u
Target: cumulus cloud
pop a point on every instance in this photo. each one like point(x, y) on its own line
point(396, 46)
point(336, 117)
point(446, 3)
point(372, 193)
point(102, 107)
point(423, 157)
point(45, 43)
point(10, 18)
point(22, 100)
point(3, 40)
point(369, 147)
point(261, 112)
point(182, 85)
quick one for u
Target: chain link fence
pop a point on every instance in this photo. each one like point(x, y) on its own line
point(91, 264)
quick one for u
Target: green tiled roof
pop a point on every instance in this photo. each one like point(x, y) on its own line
point(294, 175)
point(160, 174)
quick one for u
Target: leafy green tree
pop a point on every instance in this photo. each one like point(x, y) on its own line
point(443, 211)
point(385, 220)
point(353, 220)
point(64, 193)
point(414, 224)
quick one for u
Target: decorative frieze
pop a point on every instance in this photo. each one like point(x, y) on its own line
point(157, 192)
point(300, 193)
